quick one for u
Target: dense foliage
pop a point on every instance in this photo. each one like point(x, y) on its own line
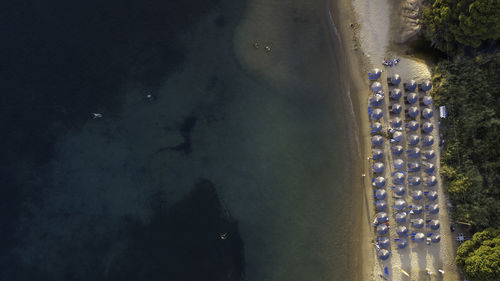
point(452, 24)
point(471, 161)
point(480, 257)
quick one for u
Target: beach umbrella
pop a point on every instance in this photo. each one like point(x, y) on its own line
point(383, 242)
point(377, 154)
point(427, 100)
point(413, 167)
point(376, 127)
point(418, 223)
point(413, 112)
point(427, 140)
point(397, 136)
point(377, 100)
point(382, 217)
point(399, 164)
point(431, 181)
point(382, 229)
point(413, 139)
point(401, 217)
point(419, 237)
point(412, 125)
point(399, 204)
point(381, 205)
point(417, 209)
point(427, 127)
point(434, 224)
point(402, 243)
point(426, 86)
point(435, 238)
point(429, 154)
point(432, 195)
point(413, 152)
point(427, 113)
point(429, 168)
point(376, 87)
point(412, 98)
point(399, 190)
point(411, 85)
point(402, 230)
point(378, 167)
point(396, 108)
point(383, 254)
point(434, 208)
point(379, 182)
point(398, 178)
point(396, 94)
point(377, 140)
point(380, 194)
point(377, 114)
point(397, 150)
point(414, 181)
point(396, 122)
point(417, 195)
point(374, 74)
point(395, 79)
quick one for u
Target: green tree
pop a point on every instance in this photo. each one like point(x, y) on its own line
point(480, 257)
point(450, 24)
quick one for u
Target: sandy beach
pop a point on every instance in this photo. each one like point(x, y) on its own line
point(371, 31)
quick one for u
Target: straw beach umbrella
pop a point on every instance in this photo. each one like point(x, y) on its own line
point(434, 224)
point(382, 217)
point(426, 86)
point(413, 152)
point(434, 208)
point(413, 139)
point(377, 114)
point(399, 190)
point(427, 100)
point(429, 168)
point(376, 127)
point(427, 113)
point(376, 87)
point(435, 238)
point(374, 74)
point(398, 178)
point(431, 181)
point(412, 98)
point(417, 195)
point(427, 141)
point(382, 229)
point(412, 125)
point(427, 127)
point(378, 167)
point(432, 195)
point(397, 150)
point(411, 85)
point(413, 167)
point(419, 237)
point(379, 182)
point(401, 217)
point(397, 136)
point(399, 204)
point(377, 140)
point(395, 79)
point(383, 242)
point(413, 112)
point(402, 230)
point(414, 181)
point(380, 194)
point(396, 108)
point(381, 205)
point(396, 94)
point(402, 243)
point(383, 254)
point(417, 209)
point(377, 154)
point(399, 164)
point(396, 122)
point(377, 100)
point(418, 223)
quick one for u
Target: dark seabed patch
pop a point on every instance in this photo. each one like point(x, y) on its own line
point(185, 129)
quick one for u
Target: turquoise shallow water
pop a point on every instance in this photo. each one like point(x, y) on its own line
point(267, 130)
